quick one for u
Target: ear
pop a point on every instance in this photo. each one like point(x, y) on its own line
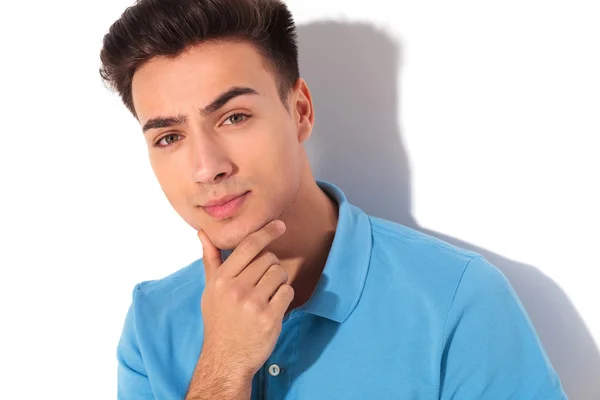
point(303, 110)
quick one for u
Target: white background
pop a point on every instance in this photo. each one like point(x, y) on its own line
point(476, 122)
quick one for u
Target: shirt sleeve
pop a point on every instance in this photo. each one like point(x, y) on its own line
point(133, 382)
point(491, 350)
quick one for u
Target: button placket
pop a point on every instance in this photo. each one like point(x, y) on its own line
point(277, 382)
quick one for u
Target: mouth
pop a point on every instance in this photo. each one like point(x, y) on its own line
point(226, 206)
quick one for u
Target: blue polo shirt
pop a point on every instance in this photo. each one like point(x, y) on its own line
point(396, 314)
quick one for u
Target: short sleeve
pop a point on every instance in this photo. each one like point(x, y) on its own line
point(491, 350)
point(133, 382)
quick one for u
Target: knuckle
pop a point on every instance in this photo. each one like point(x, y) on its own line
point(252, 306)
point(281, 272)
point(271, 258)
point(219, 282)
point(262, 256)
point(287, 290)
point(249, 244)
point(276, 271)
point(266, 321)
point(236, 294)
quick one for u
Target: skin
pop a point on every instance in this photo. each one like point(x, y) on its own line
point(221, 153)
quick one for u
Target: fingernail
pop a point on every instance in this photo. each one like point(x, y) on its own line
point(280, 226)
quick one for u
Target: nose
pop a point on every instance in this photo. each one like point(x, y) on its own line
point(211, 163)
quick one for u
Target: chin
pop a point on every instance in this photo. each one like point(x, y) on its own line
point(227, 235)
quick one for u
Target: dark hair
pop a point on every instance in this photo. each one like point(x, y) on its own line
point(153, 28)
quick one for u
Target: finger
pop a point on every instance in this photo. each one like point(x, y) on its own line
point(253, 273)
point(211, 255)
point(275, 276)
point(249, 248)
point(281, 300)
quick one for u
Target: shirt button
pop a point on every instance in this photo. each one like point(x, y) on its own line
point(274, 370)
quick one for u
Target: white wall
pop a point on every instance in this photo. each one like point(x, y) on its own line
point(475, 122)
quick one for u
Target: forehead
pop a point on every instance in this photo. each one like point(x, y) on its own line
point(195, 77)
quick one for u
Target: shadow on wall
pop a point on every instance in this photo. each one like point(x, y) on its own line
point(352, 70)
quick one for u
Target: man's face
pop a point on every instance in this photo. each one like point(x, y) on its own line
point(246, 143)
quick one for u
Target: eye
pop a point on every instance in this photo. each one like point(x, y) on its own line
point(166, 139)
point(236, 118)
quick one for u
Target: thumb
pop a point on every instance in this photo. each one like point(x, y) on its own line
point(211, 255)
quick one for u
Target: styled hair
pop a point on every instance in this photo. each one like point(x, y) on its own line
point(153, 28)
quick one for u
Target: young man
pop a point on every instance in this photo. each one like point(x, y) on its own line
point(299, 294)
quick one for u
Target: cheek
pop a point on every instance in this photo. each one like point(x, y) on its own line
point(287, 156)
point(279, 151)
point(284, 170)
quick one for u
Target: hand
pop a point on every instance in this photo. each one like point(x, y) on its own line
point(244, 302)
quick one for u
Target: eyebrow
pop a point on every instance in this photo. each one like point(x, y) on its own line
point(216, 104)
point(163, 122)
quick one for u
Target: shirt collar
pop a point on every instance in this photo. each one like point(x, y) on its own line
point(341, 283)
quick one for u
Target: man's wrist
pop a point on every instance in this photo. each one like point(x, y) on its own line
point(212, 380)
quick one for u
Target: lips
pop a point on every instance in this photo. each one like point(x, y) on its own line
point(225, 207)
point(222, 200)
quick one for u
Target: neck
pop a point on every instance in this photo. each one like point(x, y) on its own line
point(311, 221)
